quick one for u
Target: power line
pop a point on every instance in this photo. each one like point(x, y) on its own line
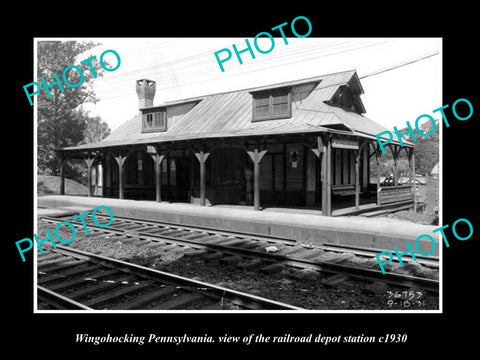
point(408, 62)
point(184, 63)
point(281, 60)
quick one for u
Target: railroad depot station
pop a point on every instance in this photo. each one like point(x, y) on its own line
point(275, 179)
point(290, 160)
point(301, 144)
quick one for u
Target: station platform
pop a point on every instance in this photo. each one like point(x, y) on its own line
point(302, 225)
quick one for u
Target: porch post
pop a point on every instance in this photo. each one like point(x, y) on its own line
point(414, 186)
point(319, 152)
point(155, 152)
point(359, 156)
point(256, 181)
point(324, 175)
point(256, 157)
point(157, 172)
point(120, 161)
point(357, 176)
point(395, 152)
point(89, 162)
point(328, 179)
point(157, 161)
point(202, 158)
point(377, 155)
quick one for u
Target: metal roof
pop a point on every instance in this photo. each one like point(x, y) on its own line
point(230, 115)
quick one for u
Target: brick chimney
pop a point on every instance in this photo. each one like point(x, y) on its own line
point(146, 93)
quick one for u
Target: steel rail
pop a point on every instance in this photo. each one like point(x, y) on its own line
point(236, 297)
point(432, 261)
point(402, 280)
point(205, 229)
point(57, 300)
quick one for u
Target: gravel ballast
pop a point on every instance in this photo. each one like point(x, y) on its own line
point(303, 288)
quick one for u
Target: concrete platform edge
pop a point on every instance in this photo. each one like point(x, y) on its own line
point(354, 230)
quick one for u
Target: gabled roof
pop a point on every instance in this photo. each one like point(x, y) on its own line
point(230, 115)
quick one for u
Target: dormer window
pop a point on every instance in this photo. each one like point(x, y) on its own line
point(272, 104)
point(348, 98)
point(154, 121)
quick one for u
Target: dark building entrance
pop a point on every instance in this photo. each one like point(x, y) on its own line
point(230, 177)
point(180, 175)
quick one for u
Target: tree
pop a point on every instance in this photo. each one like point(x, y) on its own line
point(426, 153)
point(61, 120)
point(95, 130)
point(387, 166)
point(426, 147)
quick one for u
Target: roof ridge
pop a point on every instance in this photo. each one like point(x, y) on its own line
point(250, 89)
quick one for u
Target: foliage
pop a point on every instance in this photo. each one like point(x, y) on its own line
point(61, 120)
point(427, 149)
point(426, 153)
point(95, 130)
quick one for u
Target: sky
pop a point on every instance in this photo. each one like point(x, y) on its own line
point(187, 67)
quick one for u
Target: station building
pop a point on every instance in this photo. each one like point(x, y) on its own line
point(302, 144)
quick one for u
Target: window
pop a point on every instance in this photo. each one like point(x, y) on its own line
point(156, 121)
point(272, 104)
point(345, 97)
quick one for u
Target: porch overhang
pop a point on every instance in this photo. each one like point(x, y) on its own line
point(242, 135)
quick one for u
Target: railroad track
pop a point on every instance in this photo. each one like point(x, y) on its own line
point(430, 261)
point(71, 279)
point(197, 235)
point(250, 250)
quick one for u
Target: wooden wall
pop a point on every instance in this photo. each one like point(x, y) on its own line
point(289, 175)
point(343, 166)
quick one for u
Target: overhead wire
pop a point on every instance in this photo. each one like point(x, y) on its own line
point(405, 63)
point(183, 72)
point(281, 60)
point(284, 53)
point(180, 65)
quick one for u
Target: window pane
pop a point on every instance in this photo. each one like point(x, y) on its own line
point(262, 105)
point(272, 104)
point(280, 105)
point(280, 109)
point(155, 121)
point(262, 110)
point(281, 99)
point(159, 120)
point(148, 123)
point(262, 101)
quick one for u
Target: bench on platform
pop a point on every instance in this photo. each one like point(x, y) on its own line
point(343, 189)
